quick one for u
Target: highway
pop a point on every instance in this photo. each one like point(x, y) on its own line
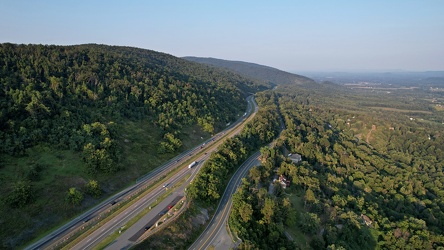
point(64, 233)
point(124, 241)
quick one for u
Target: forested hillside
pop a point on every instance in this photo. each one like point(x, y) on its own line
point(88, 83)
point(368, 179)
point(73, 116)
point(255, 71)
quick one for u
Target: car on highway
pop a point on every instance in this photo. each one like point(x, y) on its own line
point(166, 185)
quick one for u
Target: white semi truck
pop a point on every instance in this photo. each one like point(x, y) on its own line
point(192, 164)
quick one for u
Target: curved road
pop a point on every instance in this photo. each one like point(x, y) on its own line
point(218, 222)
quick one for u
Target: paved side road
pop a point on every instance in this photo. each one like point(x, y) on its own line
point(215, 235)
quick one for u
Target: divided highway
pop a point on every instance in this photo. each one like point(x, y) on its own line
point(56, 237)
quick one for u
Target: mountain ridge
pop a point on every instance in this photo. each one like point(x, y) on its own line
point(253, 70)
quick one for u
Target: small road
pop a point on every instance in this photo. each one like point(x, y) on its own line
point(218, 222)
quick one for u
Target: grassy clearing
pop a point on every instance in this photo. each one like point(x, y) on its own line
point(62, 169)
point(298, 236)
point(140, 141)
point(55, 166)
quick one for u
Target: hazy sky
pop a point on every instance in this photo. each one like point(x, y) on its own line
point(289, 35)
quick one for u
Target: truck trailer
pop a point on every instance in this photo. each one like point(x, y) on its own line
point(192, 164)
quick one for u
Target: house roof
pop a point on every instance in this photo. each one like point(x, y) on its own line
point(366, 219)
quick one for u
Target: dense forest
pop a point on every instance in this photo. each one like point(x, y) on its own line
point(75, 85)
point(71, 118)
point(368, 179)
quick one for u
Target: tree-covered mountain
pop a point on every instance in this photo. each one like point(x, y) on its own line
point(255, 71)
point(89, 83)
point(77, 120)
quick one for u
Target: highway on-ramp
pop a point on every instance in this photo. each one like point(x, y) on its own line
point(218, 222)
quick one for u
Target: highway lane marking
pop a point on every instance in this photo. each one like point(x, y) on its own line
point(217, 225)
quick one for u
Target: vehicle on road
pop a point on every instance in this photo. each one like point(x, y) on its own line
point(166, 185)
point(192, 164)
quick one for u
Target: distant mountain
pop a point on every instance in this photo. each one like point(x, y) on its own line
point(423, 79)
point(256, 71)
